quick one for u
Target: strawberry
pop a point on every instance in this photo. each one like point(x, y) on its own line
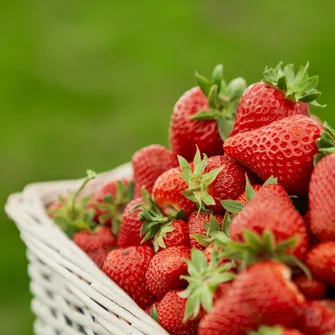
point(272, 210)
point(281, 94)
point(110, 201)
point(196, 223)
point(130, 228)
point(310, 288)
point(162, 230)
point(276, 330)
point(169, 314)
point(235, 206)
point(206, 283)
point(204, 115)
point(321, 262)
point(148, 164)
point(168, 193)
point(261, 295)
point(284, 149)
point(127, 268)
point(322, 188)
point(211, 180)
point(165, 269)
point(318, 318)
point(71, 214)
point(97, 244)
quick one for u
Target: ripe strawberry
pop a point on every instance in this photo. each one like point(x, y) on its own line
point(321, 262)
point(168, 193)
point(284, 149)
point(310, 288)
point(261, 295)
point(72, 214)
point(162, 230)
point(97, 244)
point(318, 318)
point(196, 224)
point(165, 269)
point(276, 330)
point(110, 201)
point(272, 210)
point(211, 180)
point(280, 95)
point(204, 115)
point(127, 268)
point(322, 189)
point(130, 228)
point(148, 164)
point(170, 311)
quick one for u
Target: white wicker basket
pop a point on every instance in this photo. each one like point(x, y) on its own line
point(71, 295)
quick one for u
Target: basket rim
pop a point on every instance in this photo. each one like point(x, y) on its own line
point(27, 210)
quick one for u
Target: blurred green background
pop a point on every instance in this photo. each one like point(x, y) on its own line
point(85, 84)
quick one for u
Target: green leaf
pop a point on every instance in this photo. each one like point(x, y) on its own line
point(154, 313)
point(264, 330)
point(199, 259)
point(203, 83)
point(235, 88)
point(212, 96)
point(212, 114)
point(232, 206)
point(227, 220)
point(310, 97)
point(225, 125)
point(271, 180)
point(217, 76)
point(185, 167)
point(282, 83)
point(249, 191)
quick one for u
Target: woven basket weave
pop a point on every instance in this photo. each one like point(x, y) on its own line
point(70, 294)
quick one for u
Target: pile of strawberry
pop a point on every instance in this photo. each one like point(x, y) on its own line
point(231, 231)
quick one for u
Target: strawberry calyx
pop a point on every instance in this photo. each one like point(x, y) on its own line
point(222, 98)
point(113, 207)
point(234, 206)
point(256, 248)
point(203, 279)
point(154, 313)
point(297, 87)
point(326, 143)
point(214, 233)
point(198, 181)
point(263, 330)
point(73, 215)
point(155, 225)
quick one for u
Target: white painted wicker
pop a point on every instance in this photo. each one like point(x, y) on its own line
point(70, 294)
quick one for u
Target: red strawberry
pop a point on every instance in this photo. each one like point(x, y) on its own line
point(284, 149)
point(168, 193)
point(322, 191)
point(162, 230)
point(148, 164)
point(130, 228)
point(165, 269)
point(211, 180)
point(199, 121)
point(318, 318)
point(97, 244)
point(310, 288)
point(170, 312)
point(272, 210)
point(321, 262)
point(282, 94)
point(110, 201)
point(261, 295)
point(127, 268)
point(196, 223)
point(276, 330)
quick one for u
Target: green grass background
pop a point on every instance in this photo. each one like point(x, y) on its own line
point(84, 84)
